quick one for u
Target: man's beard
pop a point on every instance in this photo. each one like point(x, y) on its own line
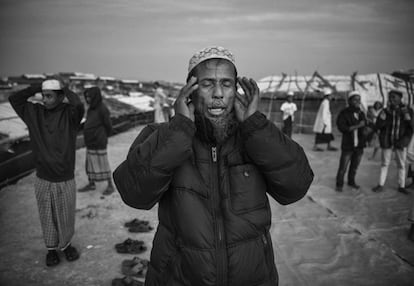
point(215, 130)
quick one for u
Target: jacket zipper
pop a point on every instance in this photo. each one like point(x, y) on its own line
point(221, 256)
point(268, 256)
point(214, 154)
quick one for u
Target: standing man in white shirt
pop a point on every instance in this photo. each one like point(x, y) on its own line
point(288, 108)
point(323, 123)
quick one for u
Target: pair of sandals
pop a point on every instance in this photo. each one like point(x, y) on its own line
point(137, 225)
point(52, 256)
point(92, 187)
point(131, 246)
point(136, 267)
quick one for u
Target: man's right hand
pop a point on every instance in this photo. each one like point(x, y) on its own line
point(182, 104)
point(382, 115)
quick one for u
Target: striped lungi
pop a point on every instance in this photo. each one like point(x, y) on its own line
point(56, 203)
point(97, 165)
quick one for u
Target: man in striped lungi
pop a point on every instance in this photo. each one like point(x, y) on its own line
point(53, 114)
point(96, 130)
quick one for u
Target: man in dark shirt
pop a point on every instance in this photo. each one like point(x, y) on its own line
point(96, 130)
point(351, 122)
point(53, 120)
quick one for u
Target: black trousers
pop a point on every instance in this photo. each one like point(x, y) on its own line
point(351, 159)
point(287, 126)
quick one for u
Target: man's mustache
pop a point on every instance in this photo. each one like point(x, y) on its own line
point(218, 104)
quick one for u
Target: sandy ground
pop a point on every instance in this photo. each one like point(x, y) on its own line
point(352, 238)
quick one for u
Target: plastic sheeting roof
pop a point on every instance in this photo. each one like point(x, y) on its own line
point(11, 124)
point(372, 87)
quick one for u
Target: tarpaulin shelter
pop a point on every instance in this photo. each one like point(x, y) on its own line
point(372, 87)
point(307, 89)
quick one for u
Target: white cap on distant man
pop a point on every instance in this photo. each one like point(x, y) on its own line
point(290, 93)
point(51, 84)
point(327, 91)
point(353, 93)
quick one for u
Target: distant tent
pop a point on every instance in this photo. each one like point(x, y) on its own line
point(373, 87)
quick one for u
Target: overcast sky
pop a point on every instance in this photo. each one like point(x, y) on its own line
point(154, 39)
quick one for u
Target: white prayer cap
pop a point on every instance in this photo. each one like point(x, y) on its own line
point(51, 84)
point(327, 91)
point(353, 93)
point(214, 52)
point(290, 93)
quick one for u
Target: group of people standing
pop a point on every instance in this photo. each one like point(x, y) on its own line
point(389, 129)
point(392, 126)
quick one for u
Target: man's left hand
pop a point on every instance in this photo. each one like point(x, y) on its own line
point(246, 104)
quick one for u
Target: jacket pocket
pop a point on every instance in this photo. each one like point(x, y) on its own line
point(247, 189)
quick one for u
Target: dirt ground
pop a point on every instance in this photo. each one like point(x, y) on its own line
point(352, 238)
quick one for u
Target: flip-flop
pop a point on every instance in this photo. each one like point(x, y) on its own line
point(137, 249)
point(87, 188)
point(137, 270)
point(140, 228)
point(135, 222)
point(131, 246)
point(134, 261)
point(108, 191)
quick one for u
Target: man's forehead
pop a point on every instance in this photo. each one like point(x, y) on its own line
point(216, 67)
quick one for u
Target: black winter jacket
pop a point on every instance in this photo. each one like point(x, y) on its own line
point(214, 214)
point(98, 124)
point(345, 120)
point(52, 132)
point(395, 131)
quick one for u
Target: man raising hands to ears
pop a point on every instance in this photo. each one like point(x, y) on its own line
point(209, 169)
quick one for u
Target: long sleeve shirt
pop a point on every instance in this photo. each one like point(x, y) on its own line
point(52, 132)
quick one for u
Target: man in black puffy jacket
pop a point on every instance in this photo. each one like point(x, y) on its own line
point(395, 125)
point(209, 169)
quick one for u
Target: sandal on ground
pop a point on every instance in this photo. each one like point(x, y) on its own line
point(87, 188)
point(108, 191)
point(138, 269)
point(140, 228)
point(135, 222)
point(52, 258)
point(134, 261)
point(132, 249)
point(131, 246)
point(71, 253)
point(126, 281)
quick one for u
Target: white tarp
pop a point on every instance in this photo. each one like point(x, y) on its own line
point(11, 124)
point(373, 87)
